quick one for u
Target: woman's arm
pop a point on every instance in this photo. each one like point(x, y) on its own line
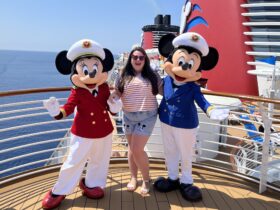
point(115, 94)
point(160, 84)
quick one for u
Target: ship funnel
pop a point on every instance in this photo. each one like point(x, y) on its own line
point(159, 20)
point(167, 20)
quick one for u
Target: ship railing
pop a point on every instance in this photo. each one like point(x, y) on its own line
point(32, 141)
point(62, 149)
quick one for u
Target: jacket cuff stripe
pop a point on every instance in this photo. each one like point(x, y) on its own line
point(209, 109)
point(63, 112)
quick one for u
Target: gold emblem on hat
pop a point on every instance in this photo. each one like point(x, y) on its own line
point(86, 44)
point(195, 38)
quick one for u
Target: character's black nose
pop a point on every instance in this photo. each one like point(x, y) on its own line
point(92, 74)
point(185, 66)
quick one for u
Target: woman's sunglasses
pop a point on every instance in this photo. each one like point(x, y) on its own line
point(136, 57)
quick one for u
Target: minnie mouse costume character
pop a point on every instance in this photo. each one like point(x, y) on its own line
point(187, 54)
point(91, 132)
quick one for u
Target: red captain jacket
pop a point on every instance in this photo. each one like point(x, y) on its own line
point(92, 119)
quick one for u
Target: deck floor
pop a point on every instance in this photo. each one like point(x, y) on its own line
point(220, 191)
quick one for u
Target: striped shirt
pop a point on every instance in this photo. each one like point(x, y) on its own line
point(137, 95)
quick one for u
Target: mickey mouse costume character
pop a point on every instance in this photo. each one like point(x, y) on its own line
point(91, 132)
point(187, 54)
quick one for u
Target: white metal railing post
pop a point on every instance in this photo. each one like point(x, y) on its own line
point(256, 155)
point(265, 150)
point(244, 162)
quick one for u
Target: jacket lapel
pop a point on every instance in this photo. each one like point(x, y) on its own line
point(182, 89)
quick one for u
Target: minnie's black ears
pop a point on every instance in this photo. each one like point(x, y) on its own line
point(209, 62)
point(165, 46)
point(108, 62)
point(62, 64)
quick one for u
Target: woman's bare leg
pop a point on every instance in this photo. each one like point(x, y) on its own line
point(131, 186)
point(140, 157)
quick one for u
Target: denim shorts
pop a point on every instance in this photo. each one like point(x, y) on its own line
point(139, 123)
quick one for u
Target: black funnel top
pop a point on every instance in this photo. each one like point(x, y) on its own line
point(162, 23)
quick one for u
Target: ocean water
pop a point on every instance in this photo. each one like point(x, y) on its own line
point(24, 70)
point(27, 70)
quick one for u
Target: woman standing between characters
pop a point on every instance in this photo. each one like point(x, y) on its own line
point(137, 86)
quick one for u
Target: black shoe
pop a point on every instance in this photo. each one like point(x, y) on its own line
point(166, 185)
point(190, 192)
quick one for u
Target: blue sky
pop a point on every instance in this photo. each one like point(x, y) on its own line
point(53, 25)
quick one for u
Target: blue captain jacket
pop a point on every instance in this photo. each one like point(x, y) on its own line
point(178, 109)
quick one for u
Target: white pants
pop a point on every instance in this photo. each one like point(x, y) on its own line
point(96, 152)
point(178, 145)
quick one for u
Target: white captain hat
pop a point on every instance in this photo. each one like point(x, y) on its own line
point(85, 47)
point(192, 39)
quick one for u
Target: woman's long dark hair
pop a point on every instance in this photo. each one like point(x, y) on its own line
point(128, 72)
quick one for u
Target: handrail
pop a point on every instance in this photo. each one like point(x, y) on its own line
point(261, 24)
point(261, 4)
point(32, 135)
point(34, 124)
point(61, 89)
point(261, 14)
point(35, 90)
point(263, 43)
point(26, 103)
point(261, 33)
point(255, 53)
point(242, 97)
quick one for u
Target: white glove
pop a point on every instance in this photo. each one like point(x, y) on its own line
point(52, 105)
point(218, 114)
point(115, 106)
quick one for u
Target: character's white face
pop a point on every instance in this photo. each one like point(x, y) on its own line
point(184, 66)
point(89, 73)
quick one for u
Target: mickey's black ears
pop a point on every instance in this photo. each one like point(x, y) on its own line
point(165, 46)
point(108, 62)
point(209, 62)
point(62, 64)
